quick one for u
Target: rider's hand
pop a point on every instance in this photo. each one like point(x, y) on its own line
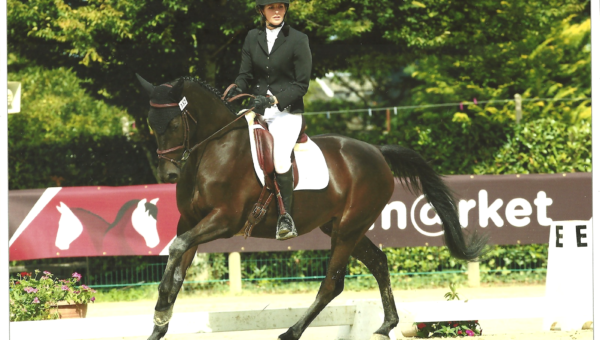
point(233, 92)
point(262, 102)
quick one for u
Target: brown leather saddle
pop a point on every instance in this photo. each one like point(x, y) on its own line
point(264, 149)
point(264, 153)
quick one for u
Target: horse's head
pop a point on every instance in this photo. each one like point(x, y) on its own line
point(170, 126)
point(182, 117)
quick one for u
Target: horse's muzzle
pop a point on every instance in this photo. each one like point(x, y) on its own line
point(168, 172)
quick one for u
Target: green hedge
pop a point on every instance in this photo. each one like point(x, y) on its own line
point(84, 160)
point(409, 267)
point(543, 146)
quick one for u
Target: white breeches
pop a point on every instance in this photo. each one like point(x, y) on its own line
point(284, 127)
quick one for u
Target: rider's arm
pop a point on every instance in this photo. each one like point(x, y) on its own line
point(302, 68)
point(245, 77)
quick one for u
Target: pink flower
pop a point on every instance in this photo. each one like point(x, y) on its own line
point(470, 332)
point(44, 277)
point(36, 300)
point(30, 290)
point(47, 272)
point(459, 332)
point(77, 275)
point(84, 287)
point(65, 287)
point(93, 299)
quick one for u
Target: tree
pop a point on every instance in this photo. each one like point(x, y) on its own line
point(106, 41)
point(65, 137)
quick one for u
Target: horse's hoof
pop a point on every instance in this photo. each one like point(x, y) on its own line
point(286, 336)
point(379, 337)
point(158, 332)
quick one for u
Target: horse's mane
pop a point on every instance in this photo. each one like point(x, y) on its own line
point(211, 89)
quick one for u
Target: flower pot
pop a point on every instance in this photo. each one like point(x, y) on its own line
point(71, 311)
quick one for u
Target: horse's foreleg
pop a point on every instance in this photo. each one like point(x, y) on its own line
point(181, 254)
point(167, 293)
point(376, 261)
point(166, 298)
point(332, 285)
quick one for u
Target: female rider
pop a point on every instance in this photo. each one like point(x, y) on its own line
point(276, 67)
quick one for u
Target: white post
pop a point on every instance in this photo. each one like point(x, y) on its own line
point(235, 273)
point(519, 111)
point(473, 274)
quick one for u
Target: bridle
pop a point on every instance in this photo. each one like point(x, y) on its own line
point(185, 116)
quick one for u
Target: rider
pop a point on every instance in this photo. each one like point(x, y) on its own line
point(276, 67)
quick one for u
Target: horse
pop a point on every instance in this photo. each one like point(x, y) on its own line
point(204, 147)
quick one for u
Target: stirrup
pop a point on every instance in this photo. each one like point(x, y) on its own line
point(286, 229)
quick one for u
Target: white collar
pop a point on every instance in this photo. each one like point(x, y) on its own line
point(275, 31)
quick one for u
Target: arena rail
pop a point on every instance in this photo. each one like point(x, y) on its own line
point(357, 320)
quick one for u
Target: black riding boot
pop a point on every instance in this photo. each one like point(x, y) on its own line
point(286, 228)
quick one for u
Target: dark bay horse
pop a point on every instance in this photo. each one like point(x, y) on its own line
point(217, 188)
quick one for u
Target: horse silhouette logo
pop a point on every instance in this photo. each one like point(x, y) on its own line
point(69, 227)
point(133, 232)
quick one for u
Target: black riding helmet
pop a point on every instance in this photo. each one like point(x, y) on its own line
point(260, 4)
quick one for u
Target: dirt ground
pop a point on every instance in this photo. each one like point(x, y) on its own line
point(507, 329)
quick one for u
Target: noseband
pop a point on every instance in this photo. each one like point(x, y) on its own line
point(186, 137)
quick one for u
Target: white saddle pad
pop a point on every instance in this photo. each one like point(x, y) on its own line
point(312, 168)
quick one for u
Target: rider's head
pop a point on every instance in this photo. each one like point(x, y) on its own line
point(272, 11)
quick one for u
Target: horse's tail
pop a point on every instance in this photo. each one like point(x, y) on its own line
point(417, 176)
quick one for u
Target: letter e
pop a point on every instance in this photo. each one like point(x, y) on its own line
point(579, 228)
point(559, 235)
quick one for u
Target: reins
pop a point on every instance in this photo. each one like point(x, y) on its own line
point(186, 136)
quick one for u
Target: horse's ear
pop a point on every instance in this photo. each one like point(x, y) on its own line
point(145, 84)
point(177, 90)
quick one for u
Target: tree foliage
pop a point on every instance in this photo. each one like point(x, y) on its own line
point(64, 137)
point(412, 52)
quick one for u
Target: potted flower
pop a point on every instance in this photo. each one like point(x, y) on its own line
point(448, 329)
point(47, 297)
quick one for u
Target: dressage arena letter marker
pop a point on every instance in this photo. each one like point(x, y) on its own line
point(580, 236)
point(559, 229)
point(569, 276)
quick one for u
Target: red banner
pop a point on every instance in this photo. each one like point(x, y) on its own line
point(92, 221)
point(142, 220)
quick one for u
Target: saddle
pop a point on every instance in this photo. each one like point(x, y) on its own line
point(264, 150)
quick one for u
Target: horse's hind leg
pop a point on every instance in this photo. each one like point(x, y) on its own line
point(166, 298)
point(376, 261)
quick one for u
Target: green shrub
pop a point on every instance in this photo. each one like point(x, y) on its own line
point(543, 146)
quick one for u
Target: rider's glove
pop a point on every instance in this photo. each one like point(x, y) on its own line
point(233, 92)
point(262, 102)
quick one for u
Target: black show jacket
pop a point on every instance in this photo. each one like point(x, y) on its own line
point(285, 71)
